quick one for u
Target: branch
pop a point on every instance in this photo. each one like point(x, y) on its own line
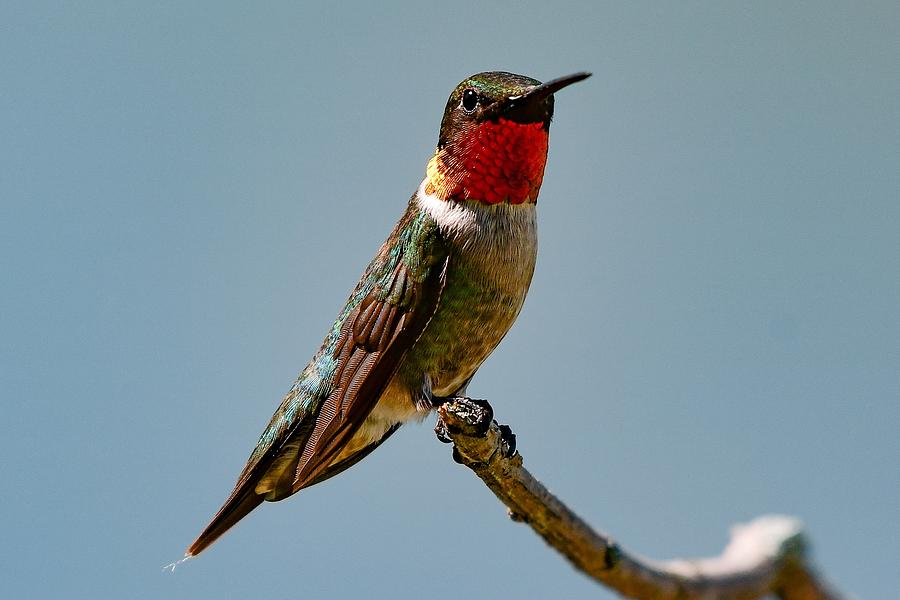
point(765, 556)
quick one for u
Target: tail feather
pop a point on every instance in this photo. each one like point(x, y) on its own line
point(235, 508)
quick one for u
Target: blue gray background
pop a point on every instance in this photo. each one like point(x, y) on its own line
point(189, 192)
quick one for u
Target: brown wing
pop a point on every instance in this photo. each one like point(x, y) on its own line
point(372, 343)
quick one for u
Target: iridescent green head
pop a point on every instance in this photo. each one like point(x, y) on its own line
point(492, 146)
point(495, 94)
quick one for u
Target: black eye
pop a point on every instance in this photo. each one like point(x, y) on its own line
point(469, 100)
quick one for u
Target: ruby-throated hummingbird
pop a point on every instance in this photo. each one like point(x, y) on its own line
point(438, 297)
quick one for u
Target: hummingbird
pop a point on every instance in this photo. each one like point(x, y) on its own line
point(438, 297)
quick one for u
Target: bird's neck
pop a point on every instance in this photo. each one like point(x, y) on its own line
point(493, 162)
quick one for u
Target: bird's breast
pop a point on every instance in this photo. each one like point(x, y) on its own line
point(493, 249)
point(493, 252)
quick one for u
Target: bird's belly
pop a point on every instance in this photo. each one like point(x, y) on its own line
point(475, 312)
point(488, 274)
point(479, 303)
point(462, 334)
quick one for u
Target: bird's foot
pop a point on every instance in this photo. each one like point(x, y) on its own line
point(507, 441)
point(441, 431)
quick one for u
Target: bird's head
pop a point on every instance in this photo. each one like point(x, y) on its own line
point(492, 146)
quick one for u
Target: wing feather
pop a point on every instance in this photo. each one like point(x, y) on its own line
point(372, 344)
point(303, 442)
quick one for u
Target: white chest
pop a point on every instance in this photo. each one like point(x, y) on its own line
point(498, 241)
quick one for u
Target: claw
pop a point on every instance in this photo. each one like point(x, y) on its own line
point(508, 441)
point(441, 431)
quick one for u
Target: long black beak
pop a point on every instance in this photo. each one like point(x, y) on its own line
point(550, 87)
point(535, 94)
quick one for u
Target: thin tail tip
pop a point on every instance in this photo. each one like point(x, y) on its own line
point(198, 546)
point(173, 565)
point(234, 509)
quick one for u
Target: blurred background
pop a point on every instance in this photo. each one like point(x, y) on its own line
point(190, 191)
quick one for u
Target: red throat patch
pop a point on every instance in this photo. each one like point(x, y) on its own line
point(494, 162)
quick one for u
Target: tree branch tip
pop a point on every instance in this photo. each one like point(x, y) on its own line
point(467, 416)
